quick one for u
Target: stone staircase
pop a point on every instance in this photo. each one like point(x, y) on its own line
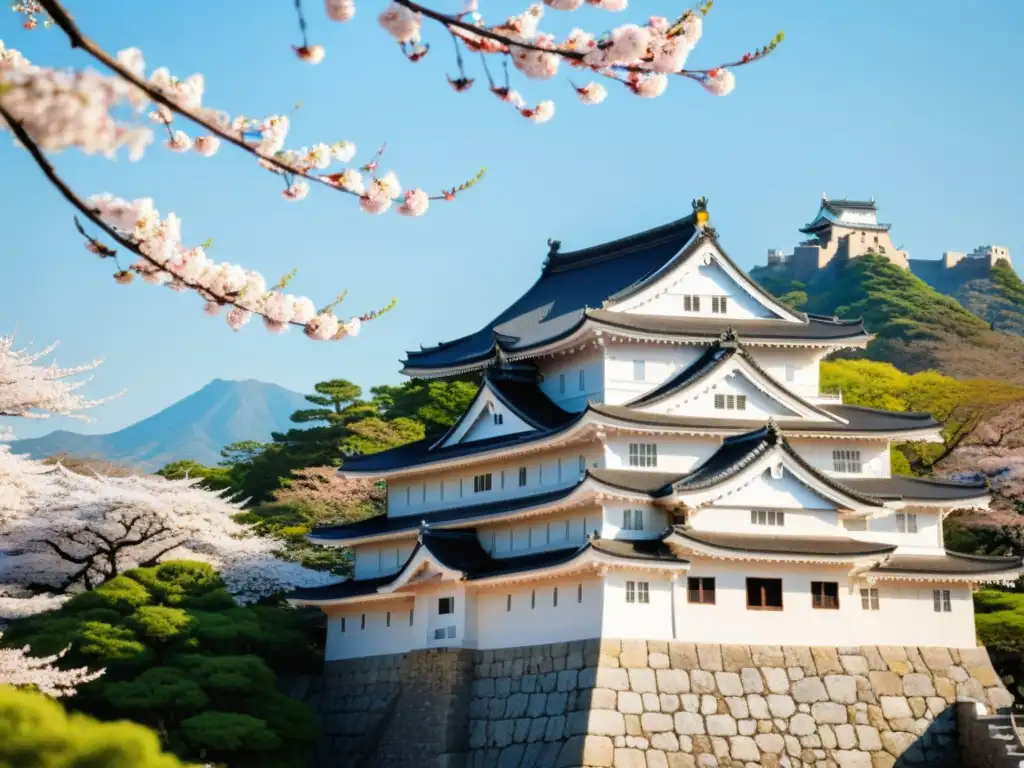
point(988, 740)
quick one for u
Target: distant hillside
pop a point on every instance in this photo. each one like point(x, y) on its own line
point(917, 326)
point(196, 427)
point(995, 294)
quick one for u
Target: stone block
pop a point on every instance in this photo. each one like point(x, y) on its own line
point(690, 702)
point(751, 680)
point(735, 657)
point(633, 654)
point(757, 706)
point(681, 760)
point(708, 704)
point(658, 660)
point(537, 704)
point(702, 681)
point(669, 702)
point(522, 730)
point(808, 690)
point(597, 698)
point(651, 702)
point(567, 680)
point(826, 660)
point(747, 727)
point(656, 759)
point(598, 722)
point(799, 656)
point(936, 659)
point(894, 707)
point(643, 680)
point(917, 684)
point(721, 725)
point(868, 738)
point(802, 724)
point(537, 728)
point(886, 683)
point(776, 679)
point(795, 673)
point(896, 742)
point(771, 743)
point(629, 758)
point(780, 705)
point(984, 674)
point(548, 682)
point(615, 679)
point(767, 656)
point(528, 684)
point(496, 709)
point(709, 656)
point(665, 741)
point(503, 732)
point(846, 736)
point(503, 687)
point(688, 723)
point(673, 681)
point(587, 750)
point(828, 712)
point(852, 759)
point(516, 705)
point(841, 688)
point(655, 722)
point(737, 707)
point(855, 665)
point(683, 655)
point(633, 725)
point(882, 760)
point(707, 761)
point(827, 736)
point(729, 683)
point(556, 704)
point(630, 703)
point(917, 706)
point(998, 698)
point(945, 688)
point(744, 748)
point(484, 689)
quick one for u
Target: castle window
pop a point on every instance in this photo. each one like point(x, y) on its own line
point(700, 590)
point(554, 598)
point(424, 494)
point(731, 402)
point(503, 479)
point(643, 454)
point(412, 615)
point(482, 483)
point(408, 495)
point(846, 460)
point(499, 418)
point(639, 370)
point(825, 595)
point(764, 594)
point(633, 520)
point(767, 517)
point(643, 592)
point(342, 623)
point(869, 599)
point(561, 383)
point(522, 476)
point(533, 599)
point(719, 305)
point(387, 621)
point(445, 605)
point(941, 601)
point(362, 621)
point(579, 593)
point(583, 464)
point(691, 303)
point(906, 522)
point(460, 488)
point(583, 379)
point(508, 603)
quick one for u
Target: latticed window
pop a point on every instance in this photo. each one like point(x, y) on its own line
point(701, 590)
point(846, 460)
point(942, 601)
point(764, 594)
point(731, 402)
point(906, 522)
point(633, 520)
point(643, 592)
point(767, 517)
point(522, 476)
point(630, 591)
point(869, 599)
point(719, 305)
point(691, 303)
point(482, 483)
point(643, 454)
point(825, 594)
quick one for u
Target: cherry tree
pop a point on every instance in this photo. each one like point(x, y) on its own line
point(19, 669)
point(49, 110)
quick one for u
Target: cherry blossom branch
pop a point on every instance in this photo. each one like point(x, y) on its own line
point(66, 23)
point(278, 310)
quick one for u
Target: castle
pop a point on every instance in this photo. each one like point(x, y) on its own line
point(649, 467)
point(850, 229)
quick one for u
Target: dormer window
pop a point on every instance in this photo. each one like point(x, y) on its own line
point(499, 418)
point(482, 483)
point(767, 517)
point(719, 305)
point(906, 522)
point(691, 303)
point(633, 520)
point(846, 460)
point(730, 402)
point(643, 454)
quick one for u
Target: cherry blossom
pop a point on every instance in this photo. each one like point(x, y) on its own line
point(340, 10)
point(592, 93)
point(720, 82)
point(17, 668)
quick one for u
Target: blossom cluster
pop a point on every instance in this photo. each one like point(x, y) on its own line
point(167, 261)
point(17, 668)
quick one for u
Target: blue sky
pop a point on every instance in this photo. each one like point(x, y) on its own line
point(916, 104)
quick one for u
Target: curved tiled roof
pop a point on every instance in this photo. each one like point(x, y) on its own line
point(823, 546)
point(903, 487)
point(950, 563)
point(815, 328)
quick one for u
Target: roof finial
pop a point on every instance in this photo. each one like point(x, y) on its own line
point(553, 247)
point(728, 338)
point(773, 430)
point(424, 530)
point(700, 211)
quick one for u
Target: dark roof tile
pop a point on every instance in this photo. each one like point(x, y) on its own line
point(815, 328)
point(952, 563)
point(915, 488)
point(824, 546)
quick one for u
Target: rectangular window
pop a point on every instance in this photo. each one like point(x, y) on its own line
point(583, 379)
point(451, 631)
point(731, 402)
point(767, 517)
point(533, 599)
point(445, 605)
point(362, 621)
point(522, 476)
point(439, 633)
point(633, 520)
point(508, 604)
point(700, 590)
point(583, 464)
point(691, 303)
point(719, 305)
point(869, 599)
point(825, 595)
point(561, 383)
point(461, 494)
point(342, 623)
point(906, 522)
point(846, 460)
point(554, 598)
point(630, 591)
point(412, 615)
point(579, 593)
point(643, 454)
point(387, 622)
point(764, 594)
point(408, 495)
point(503, 479)
point(482, 483)
point(941, 601)
point(499, 418)
point(643, 592)
point(639, 370)
point(424, 495)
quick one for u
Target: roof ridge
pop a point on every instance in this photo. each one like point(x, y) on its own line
point(946, 482)
point(558, 261)
point(983, 558)
point(869, 409)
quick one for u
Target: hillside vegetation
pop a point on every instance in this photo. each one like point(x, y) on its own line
point(917, 328)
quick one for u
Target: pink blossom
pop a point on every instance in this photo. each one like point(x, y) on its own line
point(207, 146)
point(17, 668)
point(296, 191)
point(669, 54)
point(415, 204)
point(401, 23)
point(312, 54)
point(649, 86)
point(340, 10)
point(238, 318)
point(323, 327)
point(376, 199)
point(303, 310)
point(351, 180)
point(609, 5)
point(390, 185)
point(541, 113)
point(538, 65)
point(628, 43)
point(719, 82)
point(564, 5)
point(592, 93)
point(693, 28)
point(343, 151)
point(319, 156)
point(212, 308)
point(179, 142)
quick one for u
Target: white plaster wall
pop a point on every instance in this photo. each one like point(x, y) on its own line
point(675, 454)
point(884, 528)
point(665, 296)
point(767, 492)
point(481, 426)
point(807, 522)
point(539, 534)
point(382, 559)
point(377, 638)
point(498, 627)
point(544, 472)
point(797, 369)
point(574, 398)
point(905, 617)
point(651, 621)
point(701, 401)
point(660, 363)
point(654, 519)
point(874, 455)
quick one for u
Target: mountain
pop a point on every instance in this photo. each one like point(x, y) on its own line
point(917, 327)
point(995, 293)
point(196, 427)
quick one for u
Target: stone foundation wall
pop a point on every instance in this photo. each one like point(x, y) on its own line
point(646, 704)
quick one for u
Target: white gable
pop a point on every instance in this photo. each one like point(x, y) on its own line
point(705, 276)
point(765, 491)
point(486, 417)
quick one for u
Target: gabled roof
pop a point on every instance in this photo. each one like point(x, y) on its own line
point(831, 212)
point(824, 546)
point(555, 304)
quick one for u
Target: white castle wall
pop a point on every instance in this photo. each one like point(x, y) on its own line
point(659, 363)
point(572, 380)
point(874, 455)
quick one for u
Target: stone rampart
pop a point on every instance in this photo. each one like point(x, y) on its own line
point(646, 704)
